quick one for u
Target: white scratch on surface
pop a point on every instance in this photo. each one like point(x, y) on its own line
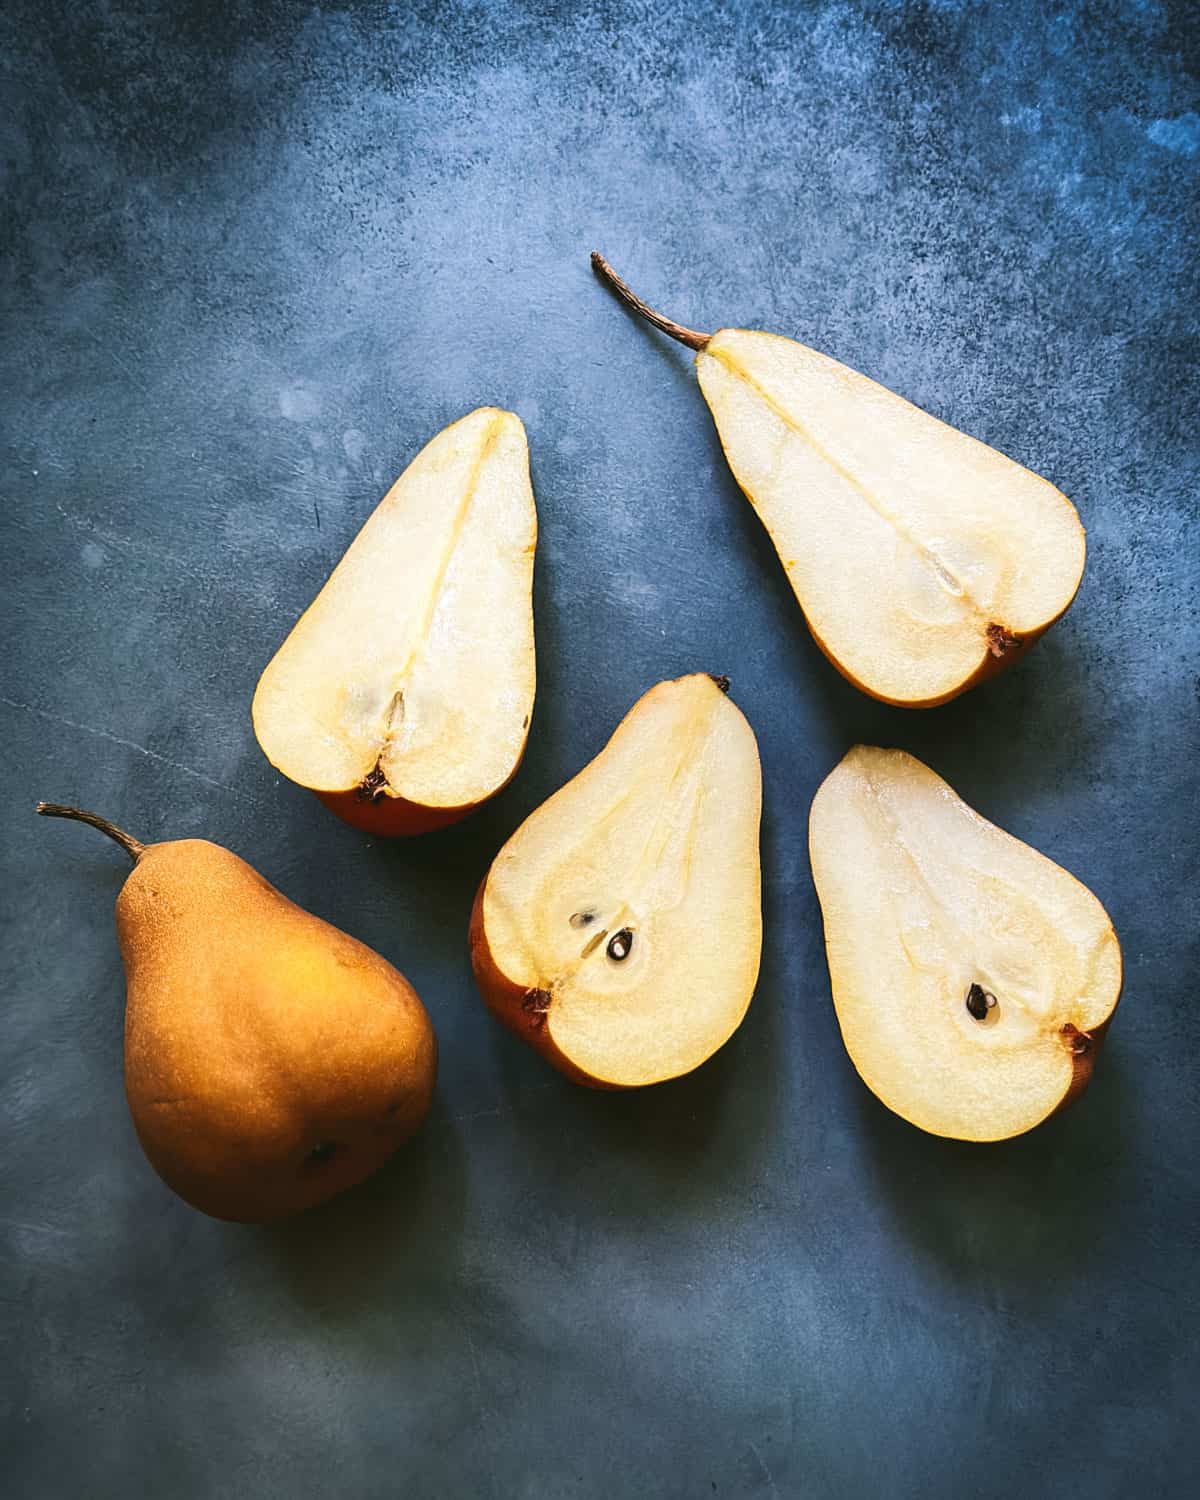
point(496, 1110)
point(120, 543)
point(481, 1404)
point(61, 1234)
point(762, 1464)
point(115, 739)
point(481, 1114)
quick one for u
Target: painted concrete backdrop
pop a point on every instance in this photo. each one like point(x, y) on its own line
point(252, 256)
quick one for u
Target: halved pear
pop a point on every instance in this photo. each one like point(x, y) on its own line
point(924, 561)
point(403, 695)
point(973, 978)
point(619, 929)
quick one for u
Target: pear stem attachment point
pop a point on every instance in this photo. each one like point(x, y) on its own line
point(131, 846)
point(630, 298)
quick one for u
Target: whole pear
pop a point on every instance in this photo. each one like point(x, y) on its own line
point(271, 1060)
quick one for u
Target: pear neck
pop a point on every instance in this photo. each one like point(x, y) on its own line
point(133, 847)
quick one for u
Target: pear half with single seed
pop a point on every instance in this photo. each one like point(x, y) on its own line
point(619, 929)
point(973, 978)
point(924, 561)
point(403, 695)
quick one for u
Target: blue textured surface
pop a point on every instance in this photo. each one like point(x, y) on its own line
point(253, 257)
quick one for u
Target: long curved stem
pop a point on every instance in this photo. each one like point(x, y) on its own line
point(131, 846)
point(630, 298)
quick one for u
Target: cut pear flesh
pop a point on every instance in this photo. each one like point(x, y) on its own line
point(412, 674)
point(972, 977)
point(923, 560)
point(619, 929)
point(916, 552)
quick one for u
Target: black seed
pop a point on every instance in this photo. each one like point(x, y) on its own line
point(582, 919)
point(322, 1152)
point(619, 945)
point(979, 1002)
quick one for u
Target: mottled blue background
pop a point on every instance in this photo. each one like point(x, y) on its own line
point(253, 256)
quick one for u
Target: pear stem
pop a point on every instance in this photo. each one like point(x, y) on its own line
point(630, 298)
point(131, 846)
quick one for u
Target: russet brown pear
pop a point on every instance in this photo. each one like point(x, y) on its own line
point(923, 560)
point(270, 1060)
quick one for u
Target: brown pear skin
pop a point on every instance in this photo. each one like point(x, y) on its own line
point(397, 817)
point(1085, 1049)
point(271, 1060)
point(392, 817)
point(1006, 655)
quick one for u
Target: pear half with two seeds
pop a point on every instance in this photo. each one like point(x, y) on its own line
point(619, 929)
point(924, 561)
point(403, 695)
point(270, 1060)
point(973, 978)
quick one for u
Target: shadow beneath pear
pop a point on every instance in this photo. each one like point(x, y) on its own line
point(399, 1231)
point(672, 1148)
point(1037, 725)
point(1019, 749)
point(1023, 1214)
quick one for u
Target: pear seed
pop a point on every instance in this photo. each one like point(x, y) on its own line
point(619, 945)
point(582, 919)
point(980, 1002)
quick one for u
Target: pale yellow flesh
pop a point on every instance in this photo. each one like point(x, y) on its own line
point(417, 655)
point(903, 538)
point(658, 834)
point(921, 898)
